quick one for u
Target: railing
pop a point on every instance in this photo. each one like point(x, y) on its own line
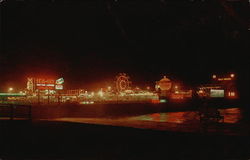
point(15, 112)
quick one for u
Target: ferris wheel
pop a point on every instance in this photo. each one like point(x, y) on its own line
point(122, 82)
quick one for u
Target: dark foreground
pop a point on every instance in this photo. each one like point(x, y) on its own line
point(65, 140)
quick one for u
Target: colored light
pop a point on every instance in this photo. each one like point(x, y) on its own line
point(163, 101)
point(200, 91)
point(59, 86)
point(12, 94)
point(60, 81)
point(224, 79)
point(231, 94)
point(214, 76)
point(87, 102)
point(155, 101)
point(100, 93)
point(232, 75)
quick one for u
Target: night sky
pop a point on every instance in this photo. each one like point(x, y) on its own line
point(90, 42)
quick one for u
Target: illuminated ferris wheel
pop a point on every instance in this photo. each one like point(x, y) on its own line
point(122, 82)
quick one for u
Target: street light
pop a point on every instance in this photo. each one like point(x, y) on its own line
point(109, 88)
point(10, 89)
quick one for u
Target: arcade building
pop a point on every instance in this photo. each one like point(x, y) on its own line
point(221, 86)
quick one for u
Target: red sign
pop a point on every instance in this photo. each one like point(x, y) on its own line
point(45, 81)
point(45, 87)
point(44, 84)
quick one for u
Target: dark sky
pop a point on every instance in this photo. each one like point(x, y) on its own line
point(89, 42)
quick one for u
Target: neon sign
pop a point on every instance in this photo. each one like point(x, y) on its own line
point(44, 84)
point(60, 81)
point(30, 84)
point(59, 86)
point(224, 79)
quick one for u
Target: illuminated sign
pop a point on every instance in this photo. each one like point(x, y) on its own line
point(224, 79)
point(45, 81)
point(217, 93)
point(59, 86)
point(227, 78)
point(231, 94)
point(44, 84)
point(60, 81)
point(30, 84)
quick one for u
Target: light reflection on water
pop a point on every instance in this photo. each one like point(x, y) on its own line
point(232, 115)
point(175, 121)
